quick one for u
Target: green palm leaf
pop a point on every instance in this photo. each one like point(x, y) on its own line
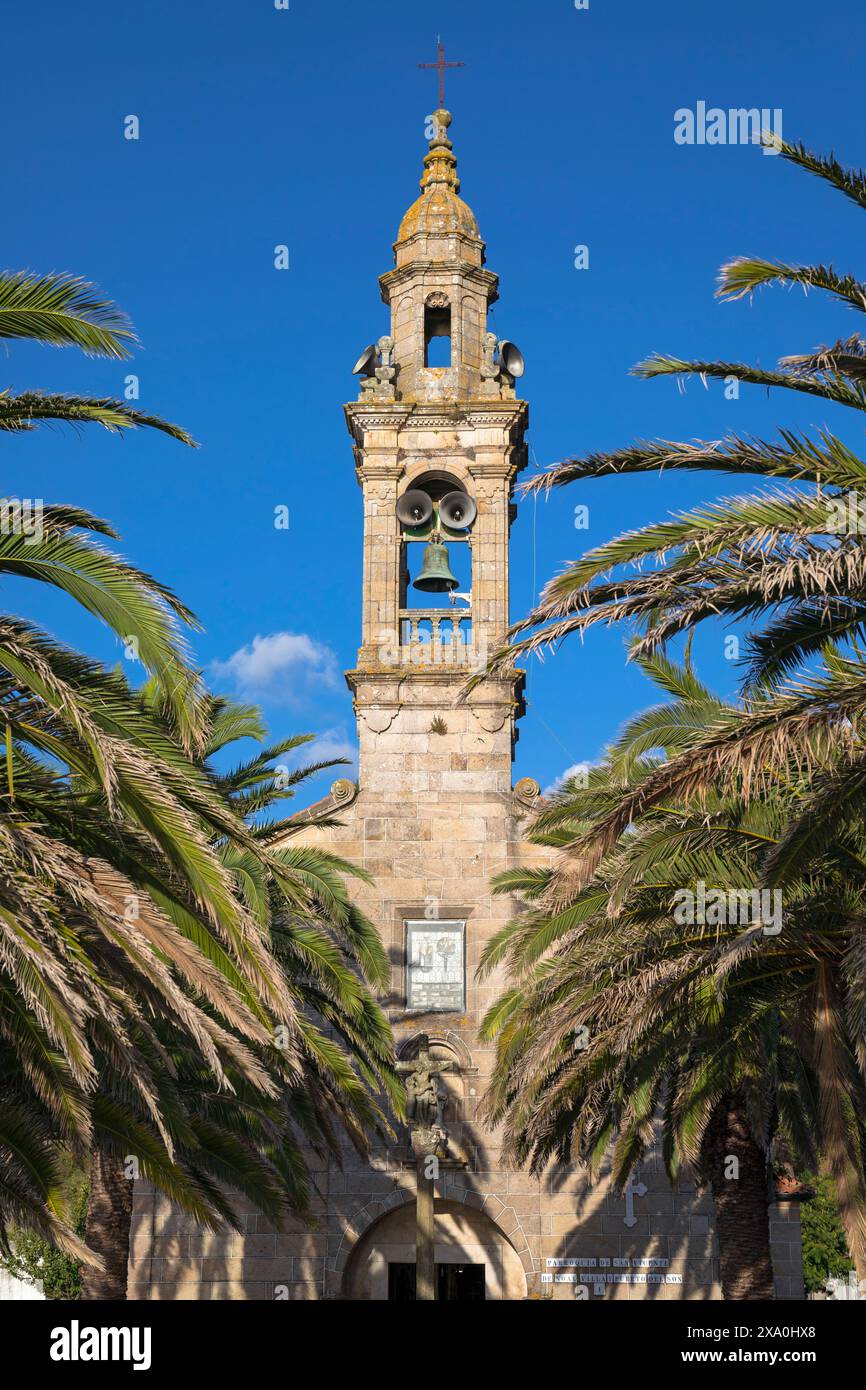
point(63, 311)
point(23, 412)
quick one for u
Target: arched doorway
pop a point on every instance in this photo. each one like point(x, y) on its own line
point(474, 1258)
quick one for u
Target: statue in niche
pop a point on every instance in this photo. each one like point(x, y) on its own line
point(426, 1095)
point(427, 1099)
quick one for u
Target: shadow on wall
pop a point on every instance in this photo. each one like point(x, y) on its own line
point(465, 1236)
point(651, 1242)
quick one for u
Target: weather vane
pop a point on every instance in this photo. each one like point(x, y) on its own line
point(440, 65)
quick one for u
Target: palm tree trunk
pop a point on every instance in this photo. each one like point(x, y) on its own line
point(740, 1192)
point(835, 1068)
point(109, 1216)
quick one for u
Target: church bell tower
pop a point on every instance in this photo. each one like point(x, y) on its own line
point(438, 438)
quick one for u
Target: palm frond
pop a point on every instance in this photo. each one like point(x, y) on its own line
point(63, 311)
point(24, 411)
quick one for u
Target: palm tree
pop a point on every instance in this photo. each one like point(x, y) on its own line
point(785, 556)
point(144, 1016)
point(791, 557)
point(119, 924)
point(737, 1037)
point(99, 802)
point(62, 548)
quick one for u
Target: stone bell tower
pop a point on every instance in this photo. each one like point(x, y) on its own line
point(441, 428)
point(432, 818)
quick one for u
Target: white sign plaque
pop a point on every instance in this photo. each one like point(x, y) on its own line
point(435, 967)
point(592, 1269)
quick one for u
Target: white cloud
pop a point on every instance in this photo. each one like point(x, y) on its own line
point(281, 665)
point(580, 770)
point(333, 743)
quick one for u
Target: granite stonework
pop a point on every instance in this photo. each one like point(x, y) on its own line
point(433, 818)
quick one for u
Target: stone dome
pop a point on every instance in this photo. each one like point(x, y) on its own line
point(439, 210)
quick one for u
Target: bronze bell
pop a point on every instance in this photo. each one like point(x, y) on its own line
point(435, 576)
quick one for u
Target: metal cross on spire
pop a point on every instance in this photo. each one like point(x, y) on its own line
point(440, 66)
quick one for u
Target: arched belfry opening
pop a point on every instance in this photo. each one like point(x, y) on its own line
point(437, 331)
point(437, 518)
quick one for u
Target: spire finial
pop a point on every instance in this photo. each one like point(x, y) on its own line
point(440, 65)
point(440, 162)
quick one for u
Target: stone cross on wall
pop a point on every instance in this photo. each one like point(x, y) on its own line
point(632, 1189)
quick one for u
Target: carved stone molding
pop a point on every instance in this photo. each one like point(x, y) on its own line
point(405, 277)
point(446, 1038)
point(527, 791)
point(343, 791)
point(377, 720)
point(501, 420)
point(380, 421)
point(491, 717)
point(362, 416)
point(437, 422)
point(454, 462)
point(342, 794)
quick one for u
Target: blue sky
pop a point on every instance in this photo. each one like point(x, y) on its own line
point(305, 127)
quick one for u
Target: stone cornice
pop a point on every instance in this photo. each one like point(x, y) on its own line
point(388, 679)
point(504, 413)
point(363, 416)
point(485, 280)
point(373, 415)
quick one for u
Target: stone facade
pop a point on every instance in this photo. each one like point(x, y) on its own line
point(432, 819)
